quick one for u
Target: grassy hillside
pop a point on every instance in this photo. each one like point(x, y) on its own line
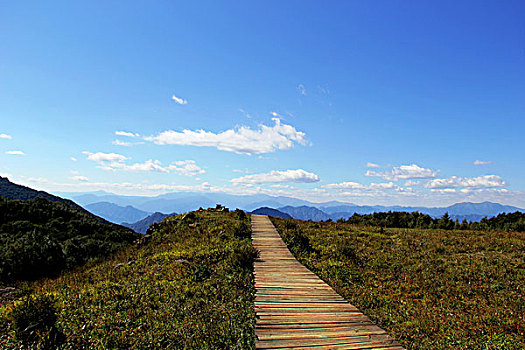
point(431, 289)
point(187, 286)
point(41, 238)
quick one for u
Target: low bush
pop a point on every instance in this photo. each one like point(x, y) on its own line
point(34, 322)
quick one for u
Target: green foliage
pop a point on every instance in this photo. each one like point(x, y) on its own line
point(190, 287)
point(290, 224)
point(502, 222)
point(345, 250)
point(33, 321)
point(241, 215)
point(242, 228)
point(430, 289)
point(40, 238)
point(297, 241)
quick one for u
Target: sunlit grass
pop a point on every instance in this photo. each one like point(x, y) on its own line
point(191, 287)
point(431, 289)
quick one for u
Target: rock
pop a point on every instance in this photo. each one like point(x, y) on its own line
point(7, 290)
point(116, 266)
point(182, 261)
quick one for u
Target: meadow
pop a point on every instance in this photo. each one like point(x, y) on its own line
point(186, 285)
point(429, 288)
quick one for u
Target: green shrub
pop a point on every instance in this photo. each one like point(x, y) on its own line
point(298, 242)
point(240, 215)
point(345, 250)
point(34, 321)
point(290, 225)
point(242, 230)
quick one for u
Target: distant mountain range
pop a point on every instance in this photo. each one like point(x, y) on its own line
point(142, 226)
point(460, 211)
point(187, 201)
point(305, 213)
point(116, 213)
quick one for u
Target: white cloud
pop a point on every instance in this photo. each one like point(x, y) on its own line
point(186, 167)
point(179, 100)
point(148, 165)
point(73, 159)
point(281, 186)
point(275, 114)
point(5, 136)
point(397, 173)
point(276, 176)
point(100, 157)
point(484, 181)
point(79, 178)
point(126, 133)
point(121, 143)
point(412, 183)
point(114, 161)
point(358, 186)
point(15, 153)
point(372, 165)
point(344, 185)
point(243, 140)
point(301, 89)
point(482, 162)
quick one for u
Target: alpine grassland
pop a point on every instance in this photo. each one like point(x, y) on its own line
point(429, 288)
point(187, 284)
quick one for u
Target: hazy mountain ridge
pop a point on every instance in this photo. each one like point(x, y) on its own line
point(460, 211)
point(142, 226)
point(305, 213)
point(116, 213)
point(187, 201)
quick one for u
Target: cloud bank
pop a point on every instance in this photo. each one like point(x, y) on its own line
point(484, 181)
point(115, 161)
point(404, 172)
point(276, 176)
point(242, 140)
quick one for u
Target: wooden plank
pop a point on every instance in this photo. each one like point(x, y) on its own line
point(297, 310)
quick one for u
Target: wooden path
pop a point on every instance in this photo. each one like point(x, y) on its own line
point(297, 310)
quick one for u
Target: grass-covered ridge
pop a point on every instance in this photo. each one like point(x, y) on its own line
point(430, 289)
point(190, 287)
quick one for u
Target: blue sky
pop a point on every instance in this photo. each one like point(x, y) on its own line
point(376, 102)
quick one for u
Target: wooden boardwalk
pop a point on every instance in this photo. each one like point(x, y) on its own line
point(297, 310)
